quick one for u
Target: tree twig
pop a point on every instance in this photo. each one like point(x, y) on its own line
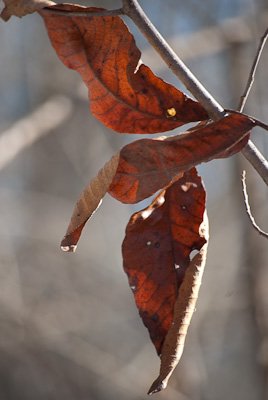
point(133, 10)
point(248, 209)
point(86, 13)
point(26, 131)
point(252, 73)
point(251, 152)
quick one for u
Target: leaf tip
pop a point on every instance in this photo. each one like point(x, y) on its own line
point(157, 386)
point(69, 249)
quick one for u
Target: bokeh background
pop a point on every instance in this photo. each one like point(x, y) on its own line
point(69, 328)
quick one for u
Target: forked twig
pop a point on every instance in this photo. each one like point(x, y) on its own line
point(251, 152)
point(241, 106)
point(248, 209)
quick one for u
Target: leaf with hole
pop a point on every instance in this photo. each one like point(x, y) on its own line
point(157, 252)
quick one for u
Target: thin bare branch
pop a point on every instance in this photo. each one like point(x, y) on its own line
point(28, 130)
point(104, 13)
point(252, 73)
point(133, 10)
point(248, 209)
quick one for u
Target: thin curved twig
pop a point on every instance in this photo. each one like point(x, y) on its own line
point(252, 73)
point(248, 209)
point(241, 106)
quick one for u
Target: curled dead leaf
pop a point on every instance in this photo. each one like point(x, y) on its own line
point(183, 311)
point(89, 200)
point(145, 166)
point(20, 8)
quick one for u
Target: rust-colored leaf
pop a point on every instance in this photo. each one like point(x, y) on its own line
point(156, 251)
point(87, 204)
point(124, 95)
point(236, 148)
point(183, 311)
point(148, 165)
point(20, 8)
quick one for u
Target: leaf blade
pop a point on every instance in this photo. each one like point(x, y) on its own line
point(156, 251)
point(88, 202)
point(148, 165)
point(123, 95)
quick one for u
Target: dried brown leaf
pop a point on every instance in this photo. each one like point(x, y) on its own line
point(183, 311)
point(20, 8)
point(89, 200)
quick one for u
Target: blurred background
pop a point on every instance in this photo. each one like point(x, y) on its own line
point(69, 328)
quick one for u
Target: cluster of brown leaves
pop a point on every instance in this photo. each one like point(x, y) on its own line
point(127, 97)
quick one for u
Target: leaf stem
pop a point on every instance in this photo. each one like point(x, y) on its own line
point(86, 13)
point(133, 10)
point(257, 121)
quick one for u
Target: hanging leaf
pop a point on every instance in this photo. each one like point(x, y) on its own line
point(157, 248)
point(124, 95)
point(148, 165)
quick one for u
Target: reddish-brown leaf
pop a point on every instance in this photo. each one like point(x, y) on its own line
point(235, 149)
point(157, 248)
point(124, 95)
point(145, 166)
point(148, 165)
